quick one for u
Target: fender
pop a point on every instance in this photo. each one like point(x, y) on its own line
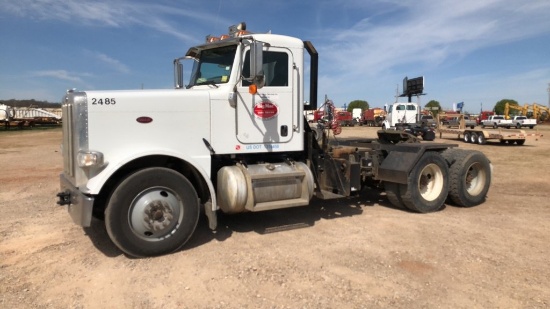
point(386, 125)
point(96, 183)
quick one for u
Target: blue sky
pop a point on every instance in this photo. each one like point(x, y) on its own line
point(471, 51)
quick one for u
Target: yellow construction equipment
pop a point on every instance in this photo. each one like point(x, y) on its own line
point(523, 110)
point(541, 113)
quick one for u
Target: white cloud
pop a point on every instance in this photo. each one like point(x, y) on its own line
point(430, 32)
point(115, 64)
point(58, 74)
point(111, 14)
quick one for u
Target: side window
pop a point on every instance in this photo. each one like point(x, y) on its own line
point(275, 67)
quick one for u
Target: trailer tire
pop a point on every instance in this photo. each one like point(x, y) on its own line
point(153, 211)
point(481, 139)
point(394, 195)
point(466, 137)
point(427, 184)
point(473, 137)
point(520, 142)
point(469, 176)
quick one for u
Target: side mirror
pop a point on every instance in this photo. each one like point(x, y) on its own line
point(178, 74)
point(256, 64)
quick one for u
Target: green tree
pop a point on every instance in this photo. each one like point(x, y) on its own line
point(363, 105)
point(499, 107)
point(434, 107)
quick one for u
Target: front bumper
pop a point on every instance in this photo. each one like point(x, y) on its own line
point(80, 206)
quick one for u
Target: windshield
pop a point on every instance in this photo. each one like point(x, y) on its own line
point(213, 66)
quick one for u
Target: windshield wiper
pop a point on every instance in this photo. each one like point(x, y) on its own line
point(208, 82)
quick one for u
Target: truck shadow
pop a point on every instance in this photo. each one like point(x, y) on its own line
point(259, 222)
point(286, 219)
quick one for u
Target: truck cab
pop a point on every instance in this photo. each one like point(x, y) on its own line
point(401, 113)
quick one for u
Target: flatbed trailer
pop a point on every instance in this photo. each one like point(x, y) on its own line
point(21, 123)
point(481, 136)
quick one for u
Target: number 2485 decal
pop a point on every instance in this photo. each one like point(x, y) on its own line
point(103, 101)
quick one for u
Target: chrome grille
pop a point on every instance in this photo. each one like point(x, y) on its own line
point(68, 140)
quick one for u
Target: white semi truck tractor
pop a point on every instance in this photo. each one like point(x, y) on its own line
point(233, 138)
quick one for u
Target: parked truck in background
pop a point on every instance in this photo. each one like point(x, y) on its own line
point(496, 121)
point(374, 117)
point(345, 118)
point(233, 138)
point(357, 114)
point(463, 121)
point(484, 115)
point(427, 121)
point(523, 121)
point(405, 117)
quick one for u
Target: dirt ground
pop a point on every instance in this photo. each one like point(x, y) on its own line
point(353, 253)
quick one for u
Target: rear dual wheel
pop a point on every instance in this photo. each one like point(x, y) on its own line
point(427, 184)
point(464, 176)
point(394, 195)
point(469, 176)
point(426, 188)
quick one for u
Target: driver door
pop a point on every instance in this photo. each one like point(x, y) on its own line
point(269, 116)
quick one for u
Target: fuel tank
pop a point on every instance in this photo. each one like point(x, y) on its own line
point(264, 186)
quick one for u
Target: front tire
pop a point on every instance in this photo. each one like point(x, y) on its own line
point(152, 212)
point(427, 184)
point(469, 176)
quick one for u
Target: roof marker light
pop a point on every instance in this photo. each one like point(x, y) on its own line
point(210, 39)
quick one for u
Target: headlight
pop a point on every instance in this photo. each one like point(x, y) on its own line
point(89, 158)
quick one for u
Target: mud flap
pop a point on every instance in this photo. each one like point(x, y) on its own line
point(398, 164)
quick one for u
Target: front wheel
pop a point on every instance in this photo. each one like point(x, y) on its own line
point(427, 184)
point(469, 176)
point(152, 212)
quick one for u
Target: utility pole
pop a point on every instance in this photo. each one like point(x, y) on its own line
point(548, 89)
